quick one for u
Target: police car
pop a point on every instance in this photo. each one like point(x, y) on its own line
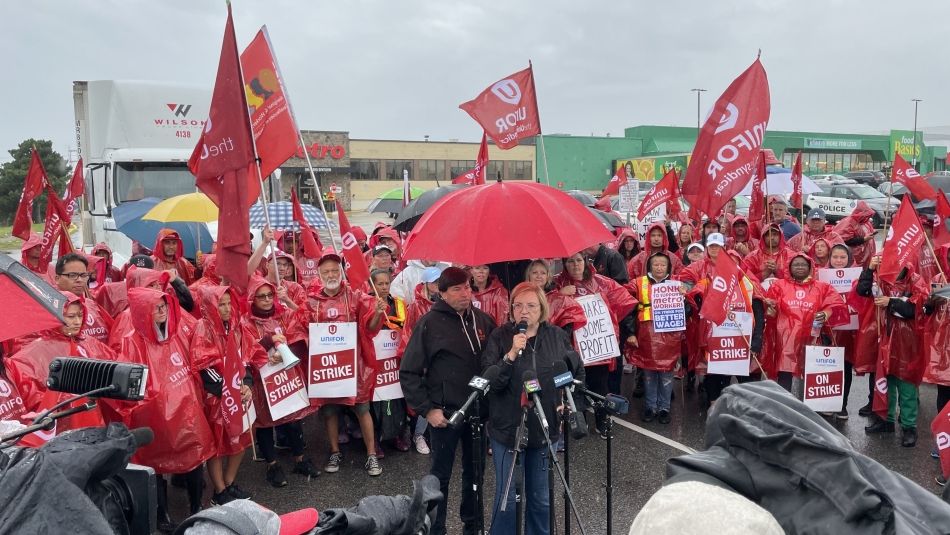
point(839, 197)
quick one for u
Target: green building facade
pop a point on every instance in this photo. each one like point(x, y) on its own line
point(587, 163)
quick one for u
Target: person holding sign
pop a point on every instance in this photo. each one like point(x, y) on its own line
point(442, 356)
point(508, 355)
point(802, 307)
point(609, 309)
point(899, 305)
point(222, 350)
point(657, 242)
point(661, 322)
point(336, 305)
point(388, 408)
point(272, 324)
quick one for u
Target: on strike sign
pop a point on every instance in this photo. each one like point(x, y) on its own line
point(728, 349)
point(332, 360)
point(597, 340)
point(387, 379)
point(285, 390)
point(666, 302)
point(824, 378)
point(839, 279)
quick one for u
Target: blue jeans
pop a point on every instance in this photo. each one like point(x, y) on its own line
point(658, 389)
point(534, 462)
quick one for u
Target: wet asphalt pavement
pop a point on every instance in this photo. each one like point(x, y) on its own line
point(638, 465)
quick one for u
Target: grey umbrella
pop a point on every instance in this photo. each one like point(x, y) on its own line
point(411, 214)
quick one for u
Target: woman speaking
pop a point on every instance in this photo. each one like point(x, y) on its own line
point(508, 354)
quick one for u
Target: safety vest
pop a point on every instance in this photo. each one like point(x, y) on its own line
point(644, 310)
point(397, 320)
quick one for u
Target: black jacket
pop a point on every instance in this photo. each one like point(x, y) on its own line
point(442, 356)
point(610, 263)
point(504, 397)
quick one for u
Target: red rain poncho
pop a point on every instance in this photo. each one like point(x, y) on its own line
point(306, 268)
point(937, 332)
point(493, 300)
point(655, 351)
point(901, 340)
point(803, 241)
point(860, 224)
point(618, 299)
point(754, 263)
point(113, 274)
point(185, 270)
point(637, 266)
point(749, 242)
point(137, 277)
point(35, 240)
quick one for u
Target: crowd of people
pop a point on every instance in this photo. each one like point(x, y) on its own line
point(206, 344)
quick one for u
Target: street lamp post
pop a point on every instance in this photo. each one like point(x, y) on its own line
point(916, 102)
point(698, 91)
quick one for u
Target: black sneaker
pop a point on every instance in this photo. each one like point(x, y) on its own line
point(942, 481)
point(842, 414)
point(275, 475)
point(238, 492)
point(223, 497)
point(663, 417)
point(306, 468)
point(880, 426)
point(909, 438)
point(648, 415)
point(866, 410)
point(333, 464)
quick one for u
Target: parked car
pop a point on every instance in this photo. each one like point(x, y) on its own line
point(871, 178)
point(838, 199)
point(828, 177)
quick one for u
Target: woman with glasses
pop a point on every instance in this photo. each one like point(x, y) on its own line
point(564, 310)
point(508, 355)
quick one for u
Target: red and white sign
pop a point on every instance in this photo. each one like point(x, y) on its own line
point(285, 389)
point(729, 347)
point(940, 427)
point(596, 341)
point(508, 110)
point(824, 378)
point(839, 279)
point(332, 360)
point(387, 378)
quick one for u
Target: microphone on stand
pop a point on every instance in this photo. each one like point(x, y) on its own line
point(575, 421)
point(531, 388)
point(480, 387)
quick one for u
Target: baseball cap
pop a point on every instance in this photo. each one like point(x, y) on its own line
point(431, 274)
point(816, 213)
point(381, 248)
point(329, 254)
point(246, 516)
point(141, 260)
point(695, 245)
point(716, 239)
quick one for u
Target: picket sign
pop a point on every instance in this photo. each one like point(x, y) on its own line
point(824, 378)
point(596, 341)
point(668, 307)
point(284, 388)
point(387, 378)
point(728, 346)
point(332, 360)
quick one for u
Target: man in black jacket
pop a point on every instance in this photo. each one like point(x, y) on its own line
point(442, 355)
point(608, 263)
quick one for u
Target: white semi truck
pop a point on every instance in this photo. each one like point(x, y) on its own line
point(135, 139)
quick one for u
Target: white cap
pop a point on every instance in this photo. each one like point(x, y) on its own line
point(716, 239)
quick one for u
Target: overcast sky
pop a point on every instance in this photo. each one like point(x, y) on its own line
point(394, 69)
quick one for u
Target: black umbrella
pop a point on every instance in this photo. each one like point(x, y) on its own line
point(943, 293)
point(38, 305)
point(609, 219)
point(412, 213)
point(582, 197)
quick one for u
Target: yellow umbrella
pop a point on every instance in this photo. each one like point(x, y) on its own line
point(188, 208)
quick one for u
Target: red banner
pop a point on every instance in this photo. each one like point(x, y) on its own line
point(222, 160)
point(904, 241)
point(942, 223)
point(797, 197)
point(275, 131)
point(917, 185)
point(663, 191)
point(723, 160)
point(722, 286)
point(36, 181)
point(508, 110)
point(74, 190)
point(311, 245)
point(757, 204)
point(619, 179)
point(356, 271)
point(56, 215)
point(940, 427)
point(476, 175)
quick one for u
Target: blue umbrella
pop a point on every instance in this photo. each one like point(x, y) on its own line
point(128, 221)
point(282, 216)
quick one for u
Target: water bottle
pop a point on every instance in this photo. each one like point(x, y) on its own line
point(816, 328)
point(876, 290)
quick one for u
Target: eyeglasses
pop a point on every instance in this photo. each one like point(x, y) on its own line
point(264, 297)
point(74, 276)
point(161, 308)
point(525, 306)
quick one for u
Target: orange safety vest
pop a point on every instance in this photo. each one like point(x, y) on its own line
point(644, 310)
point(399, 319)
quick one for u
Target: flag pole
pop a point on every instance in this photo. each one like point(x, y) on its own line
point(544, 155)
point(934, 254)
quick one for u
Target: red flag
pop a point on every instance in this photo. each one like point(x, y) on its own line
point(508, 110)
point(942, 223)
point(722, 287)
point(476, 175)
point(311, 247)
point(56, 215)
point(275, 131)
point(74, 190)
point(917, 185)
point(36, 181)
point(221, 163)
point(757, 204)
point(356, 271)
point(673, 208)
point(797, 198)
point(879, 401)
point(661, 192)
point(232, 407)
point(619, 179)
point(904, 241)
point(940, 428)
point(723, 160)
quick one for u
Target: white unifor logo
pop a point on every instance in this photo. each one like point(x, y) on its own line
point(729, 118)
point(311, 263)
point(82, 352)
point(799, 294)
point(719, 284)
point(236, 381)
point(90, 321)
point(508, 91)
point(177, 360)
point(881, 385)
point(943, 440)
point(5, 389)
point(332, 312)
point(890, 233)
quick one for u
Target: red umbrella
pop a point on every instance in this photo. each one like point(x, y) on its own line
point(504, 221)
point(38, 305)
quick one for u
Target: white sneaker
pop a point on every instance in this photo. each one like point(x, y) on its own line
point(420, 443)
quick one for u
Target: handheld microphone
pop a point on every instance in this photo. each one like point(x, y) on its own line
point(80, 375)
point(575, 420)
point(480, 387)
point(532, 387)
point(522, 328)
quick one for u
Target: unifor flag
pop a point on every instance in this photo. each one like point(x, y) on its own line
point(311, 244)
point(661, 192)
point(903, 243)
point(275, 132)
point(723, 285)
point(903, 173)
point(940, 429)
point(723, 160)
point(36, 181)
point(356, 271)
point(54, 230)
point(613, 186)
point(797, 198)
point(222, 163)
point(74, 190)
point(757, 202)
point(673, 207)
point(508, 109)
point(879, 401)
point(942, 220)
point(476, 175)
